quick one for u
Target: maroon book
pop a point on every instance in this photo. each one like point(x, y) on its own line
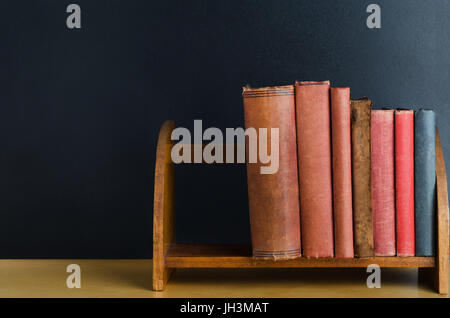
point(383, 182)
point(342, 172)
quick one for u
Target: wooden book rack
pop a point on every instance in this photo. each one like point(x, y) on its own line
point(168, 255)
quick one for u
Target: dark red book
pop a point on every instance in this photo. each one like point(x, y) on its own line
point(314, 166)
point(404, 181)
point(383, 182)
point(342, 172)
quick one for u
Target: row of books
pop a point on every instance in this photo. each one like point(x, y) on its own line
point(352, 181)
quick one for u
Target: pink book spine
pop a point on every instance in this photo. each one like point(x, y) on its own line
point(383, 182)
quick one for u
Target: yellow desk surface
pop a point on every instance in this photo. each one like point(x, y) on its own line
point(132, 278)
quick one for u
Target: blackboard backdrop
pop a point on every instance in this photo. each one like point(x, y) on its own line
point(80, 109)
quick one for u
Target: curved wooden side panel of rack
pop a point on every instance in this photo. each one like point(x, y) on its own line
point(167, 255)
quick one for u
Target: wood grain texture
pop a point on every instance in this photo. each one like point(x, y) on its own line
point(442, 220)
point(164, 206)
point(239, 256)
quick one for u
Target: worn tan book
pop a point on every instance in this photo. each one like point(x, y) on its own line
point(361, 176)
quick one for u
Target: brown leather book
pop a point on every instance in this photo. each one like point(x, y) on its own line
point(273, 198)
point(314, 165)
point(361, 177)
point(342, 172)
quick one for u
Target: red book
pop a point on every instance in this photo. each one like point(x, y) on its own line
point(273, 197)
point(383, 182)
point(314, 164)
point(404, 181)
point(342, 172)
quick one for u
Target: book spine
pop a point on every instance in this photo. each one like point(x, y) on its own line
point(425, 182)
point(273, 198)
point(361, 177)
point(404, 181)
point(314, 164)
point(342, 172)
point(383, 182)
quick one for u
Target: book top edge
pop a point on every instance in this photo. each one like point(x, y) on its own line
point(382, 111)
point(309, 83)
point(270, 91)
point(266, 88)
point(361, 99)
point(361, 102)
point(425, 110)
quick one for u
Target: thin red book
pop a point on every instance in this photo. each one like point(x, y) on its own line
point(314, 166)
point(342, 172)
point(383, 182)
point(404, 181)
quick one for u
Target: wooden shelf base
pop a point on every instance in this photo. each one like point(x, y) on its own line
point(239, 256)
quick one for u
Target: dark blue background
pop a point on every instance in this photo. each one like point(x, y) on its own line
point(80, 110)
